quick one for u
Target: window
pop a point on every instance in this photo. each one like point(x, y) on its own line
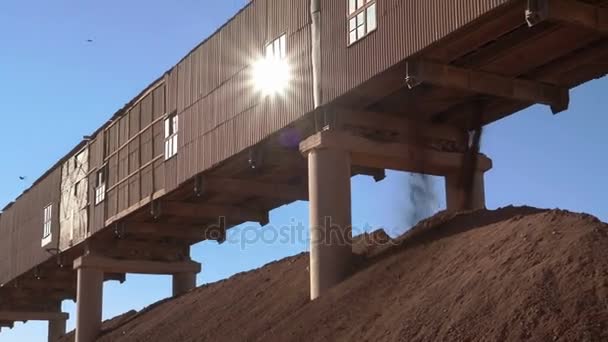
point(47, 225)
point(362, 19)
point(100, 185)
point(277, 49)
point(171, 128)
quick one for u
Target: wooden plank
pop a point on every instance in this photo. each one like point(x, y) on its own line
point(136, 266)
point(487, 83)
point(397, 156)
point(32, 316)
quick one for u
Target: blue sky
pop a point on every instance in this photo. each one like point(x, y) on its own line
point(57, 87)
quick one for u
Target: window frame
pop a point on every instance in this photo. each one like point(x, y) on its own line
point(171, 131)
point(354, 15)
point(101, 180)
point(280, 43)
point(47, 224)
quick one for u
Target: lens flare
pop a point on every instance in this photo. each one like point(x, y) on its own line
point(271, 75)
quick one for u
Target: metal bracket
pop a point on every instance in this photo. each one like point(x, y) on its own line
point(537, 11)
point(411, 75)
point(198, 185)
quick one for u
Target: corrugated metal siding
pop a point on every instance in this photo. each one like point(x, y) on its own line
point(220, 112)
point(23, 222)
point(405, 27)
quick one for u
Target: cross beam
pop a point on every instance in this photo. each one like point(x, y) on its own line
point(16, 316)
point(255, 188)
point(575, 13)
point(136, 266)
point(397, 156)
point(204, 211)
point(481, 82)
point(412, 131)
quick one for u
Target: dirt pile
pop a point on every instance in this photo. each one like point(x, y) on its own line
point(506, 275)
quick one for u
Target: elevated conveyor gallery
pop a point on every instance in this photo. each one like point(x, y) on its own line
point(286, 102)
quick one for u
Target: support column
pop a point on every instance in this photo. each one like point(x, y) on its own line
point(455, 194)
point(57, 329)
point(89, 304)
point(329, 172)
point(183, 282)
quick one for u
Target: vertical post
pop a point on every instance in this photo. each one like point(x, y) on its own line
point(88, 304)
point(455, 193)
point(57, 329)
point(183, 282)
point(329, 172)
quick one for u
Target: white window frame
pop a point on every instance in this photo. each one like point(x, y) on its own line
point(362, 19)
point(100, 185)
point(277, 48)
point(171, 124)
point(47, 225)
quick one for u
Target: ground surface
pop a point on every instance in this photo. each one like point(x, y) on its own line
point(507, 275)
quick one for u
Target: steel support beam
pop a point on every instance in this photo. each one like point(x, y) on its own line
point(570, 12)
point(105, 264)
point(481, 82)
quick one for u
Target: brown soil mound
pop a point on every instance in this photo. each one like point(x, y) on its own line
point(506, 275)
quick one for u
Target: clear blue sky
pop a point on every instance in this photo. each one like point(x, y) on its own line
point(56, 88)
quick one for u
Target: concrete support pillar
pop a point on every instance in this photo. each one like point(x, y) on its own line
point(329, 172)
point(88, 304)
point(57, 328)
point(183, 282)
point(455, 194)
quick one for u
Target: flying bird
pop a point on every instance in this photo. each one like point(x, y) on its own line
point(21, 177)
point(89, 40)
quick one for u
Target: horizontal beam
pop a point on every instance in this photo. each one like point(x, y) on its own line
point(7, 324)
point(136, 266)
point(174, 231)
point(487, 83)
point(396, 156)
point(575, 13)
point(255, 189)
point(205, 211)
point(411, 130)
point(16, 316)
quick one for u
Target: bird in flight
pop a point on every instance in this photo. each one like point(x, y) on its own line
point(21, 177)
point(89, 40)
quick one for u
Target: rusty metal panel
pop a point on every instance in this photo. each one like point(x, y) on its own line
point(24, 223)
point(405, 27)
point(74, 199)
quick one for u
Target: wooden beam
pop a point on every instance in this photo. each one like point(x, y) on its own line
point(205, 211)
point(410, 130)
point(575, 13)
point(481, 82)
point(404, 157)
point(255, 189)
point(136, 266)
point(16, 316)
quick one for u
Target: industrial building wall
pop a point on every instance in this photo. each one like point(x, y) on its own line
point(220, 111)
point(131, 149)
point(404, 27)
point(73, 207)
point(22, 227)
